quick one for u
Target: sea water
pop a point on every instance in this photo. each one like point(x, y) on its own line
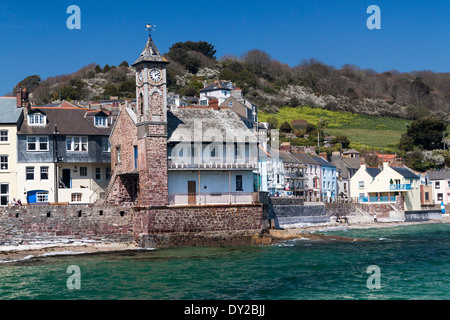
point(413, 263)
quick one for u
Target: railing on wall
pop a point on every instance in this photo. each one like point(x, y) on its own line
point(211, 198)
point(396, 187)
point(377, 200)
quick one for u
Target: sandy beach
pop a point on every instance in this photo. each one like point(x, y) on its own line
point(24, 252)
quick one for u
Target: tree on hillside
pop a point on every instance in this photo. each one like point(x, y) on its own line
point(343, 140)
point(425, 133)
point(286, 127)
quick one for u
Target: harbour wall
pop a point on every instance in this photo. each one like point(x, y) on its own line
point(288, 212)
point(423, 215)
point(33, 225)
point(213, 225)
point(169, 226)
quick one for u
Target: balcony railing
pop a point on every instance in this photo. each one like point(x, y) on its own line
point(377, 200)
point(211, 198)
point(397, 187)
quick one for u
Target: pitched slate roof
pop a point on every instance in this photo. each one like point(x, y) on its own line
point(219, 84)
point(405, 172)
point(206, 125)
point(9, 113)
point(305, 158)
point(323, 162)
point(439, 175)
point(150, 54)
point(287, 157)
point(373, 171)
point(70, 121)
point(344, 164)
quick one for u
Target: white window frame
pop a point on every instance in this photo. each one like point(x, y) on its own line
point(37, 119)
point(101, 121)
point(4, 136)
point(361, 184)
point(39, 140)
point(82, 141)
point(4, 163)
point(28, 171)
point(106, 146)
point(77, 196)
point(42, 196)
point(45, 170)
point(4, 195)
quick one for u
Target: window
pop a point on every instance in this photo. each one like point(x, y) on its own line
point(437, 185)
point(106, 146)
point(108, 173)
point(119, 155)
point(30, 173)
point(76, 197)
point(230, 103)
point(37, 120)
point(101, 121)
point(98, 173)
point(4, 163)
point(44, 173)
point(203, 102)
point(239, 183)
point(440, 196)
point(77, 144)
point(83, 172)
point(427, 196)
point(4, 194)
point(42, 196)
point(4, 136)
point(361, 184)
point(37, 144)
point(448, 184)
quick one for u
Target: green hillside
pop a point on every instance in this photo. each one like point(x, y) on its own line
point(369, 132)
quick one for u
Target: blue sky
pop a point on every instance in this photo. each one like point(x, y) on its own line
point(35, 40)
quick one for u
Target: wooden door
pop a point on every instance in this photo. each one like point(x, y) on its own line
point(192, 192)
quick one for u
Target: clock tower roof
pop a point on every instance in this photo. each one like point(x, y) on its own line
point(150, 54)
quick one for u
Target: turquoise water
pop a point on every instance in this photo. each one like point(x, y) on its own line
point(414, 263)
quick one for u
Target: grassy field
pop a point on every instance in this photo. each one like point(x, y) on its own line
point(368, 132)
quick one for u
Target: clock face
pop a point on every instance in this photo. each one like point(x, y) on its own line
point(155, 75)
point(141, 76)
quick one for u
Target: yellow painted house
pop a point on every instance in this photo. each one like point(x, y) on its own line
point(10, 116)
point(385, 185)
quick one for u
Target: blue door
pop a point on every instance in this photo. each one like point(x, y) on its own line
point(31, 197)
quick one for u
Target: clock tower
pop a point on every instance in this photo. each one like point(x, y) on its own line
point(151, 105)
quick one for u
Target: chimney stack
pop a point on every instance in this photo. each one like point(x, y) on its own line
point(21, 97)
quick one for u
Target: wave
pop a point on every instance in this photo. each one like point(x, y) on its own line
point(47, 254)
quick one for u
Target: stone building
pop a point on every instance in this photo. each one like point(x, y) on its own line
point(186, 156)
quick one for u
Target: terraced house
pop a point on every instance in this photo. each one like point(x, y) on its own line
point(10, 116)
point(63, 154)
point(386, 185)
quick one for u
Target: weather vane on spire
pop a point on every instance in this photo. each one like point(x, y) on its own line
point(149, 27)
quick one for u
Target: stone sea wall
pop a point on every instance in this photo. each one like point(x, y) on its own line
point(42, 225)
point(288, 212)
point(64, 224)
point(197, 225)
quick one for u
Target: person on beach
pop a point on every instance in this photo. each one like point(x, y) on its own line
point(375, 218)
